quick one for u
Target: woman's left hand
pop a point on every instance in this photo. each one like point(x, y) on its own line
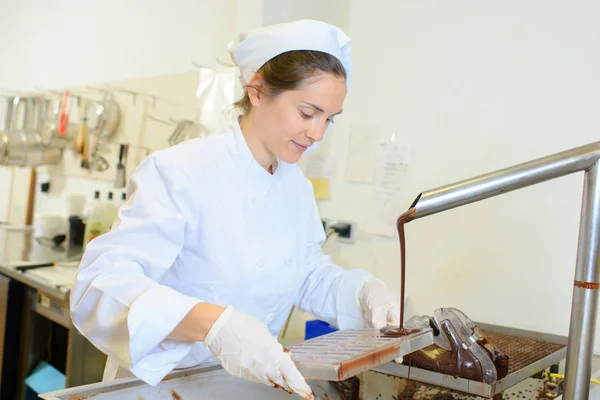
point(381, 306)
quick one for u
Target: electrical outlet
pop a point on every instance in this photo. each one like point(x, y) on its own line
point(351, 236)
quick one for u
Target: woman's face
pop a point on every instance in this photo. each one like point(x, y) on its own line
point(292, 121)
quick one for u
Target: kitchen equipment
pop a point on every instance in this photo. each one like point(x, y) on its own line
point(529, 353)
point(25, 268)
point(59, 118)
point(14, 150)
point(459, 348)
point(22, 144)
point(76, 230)
point(82, 133)
point(46, 121)
point(343, 354)
point(587, 270)
point(120, 178)
point(186, 129)
point(95, 160)
point(103, 117)
point(7, 113)
point(49, 225)
point(63, 118)
point(206, 383)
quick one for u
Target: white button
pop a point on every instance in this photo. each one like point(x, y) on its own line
point(289, 260)
point(252, 201)
point(260, 262)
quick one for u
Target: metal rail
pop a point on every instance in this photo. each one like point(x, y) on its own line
point(587, 271)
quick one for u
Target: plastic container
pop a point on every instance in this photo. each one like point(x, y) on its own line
point(110, 211)
point(94, 225)
point(316, 328)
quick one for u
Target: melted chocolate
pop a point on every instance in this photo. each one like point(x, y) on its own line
point(458, 361)
point(393, 331)
point(404, 218)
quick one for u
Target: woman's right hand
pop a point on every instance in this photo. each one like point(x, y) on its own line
point(245, 348)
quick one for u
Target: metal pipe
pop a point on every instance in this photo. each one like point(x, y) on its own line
point(585, 292)
point(506, 180)
point(587, 275)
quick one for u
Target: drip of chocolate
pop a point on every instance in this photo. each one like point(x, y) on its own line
point(400, 331)
point(458, 361)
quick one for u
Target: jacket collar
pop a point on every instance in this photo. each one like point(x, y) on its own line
point(258, 180)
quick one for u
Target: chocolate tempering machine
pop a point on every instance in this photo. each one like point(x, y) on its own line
point(344, 354)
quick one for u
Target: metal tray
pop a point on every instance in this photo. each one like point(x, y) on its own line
point(343, 354)
point(529, 353)
point(207, 383)
point(354, 351)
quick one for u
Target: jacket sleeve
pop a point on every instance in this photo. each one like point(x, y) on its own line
point(117, 302)
point(328, 291)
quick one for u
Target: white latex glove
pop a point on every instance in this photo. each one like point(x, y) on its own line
point(381, 306)
point(245, 348)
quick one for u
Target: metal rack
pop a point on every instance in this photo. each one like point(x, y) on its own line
point(529, 353)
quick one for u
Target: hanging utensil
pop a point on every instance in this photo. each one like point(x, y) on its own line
point(83, 128)
point(8, 113)
point(120, 178)
point(46, 125)
point(103, 117)
point(22, 145)
point(96, 161)
point(185, 130)
point(63, 119)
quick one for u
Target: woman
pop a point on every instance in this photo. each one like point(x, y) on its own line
point(221, 236)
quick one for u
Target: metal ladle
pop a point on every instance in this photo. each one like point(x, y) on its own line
point(103, 118)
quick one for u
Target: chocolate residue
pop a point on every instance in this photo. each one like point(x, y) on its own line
point(393, 331)
point(365, 362)
point(348, 389)
point(409, 391)
point(73, 397)
point(404, 218)
point(457, 362)
point(443, 396)
point(175, 395)
point(276, 386)
point(587, 285)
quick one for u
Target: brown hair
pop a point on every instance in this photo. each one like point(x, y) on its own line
point(291, 70)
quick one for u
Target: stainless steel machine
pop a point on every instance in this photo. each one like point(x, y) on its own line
point(584, 309)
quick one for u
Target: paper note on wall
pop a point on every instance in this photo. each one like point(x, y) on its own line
point(361, 153)
point(320, 170)
point(320, 188)
point(390, 169)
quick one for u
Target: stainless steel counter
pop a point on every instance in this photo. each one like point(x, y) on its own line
point(43, 301)
point(19, 247)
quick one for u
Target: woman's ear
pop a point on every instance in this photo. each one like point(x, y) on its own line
point(255, 89)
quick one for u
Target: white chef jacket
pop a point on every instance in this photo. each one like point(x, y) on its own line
point(205, 222)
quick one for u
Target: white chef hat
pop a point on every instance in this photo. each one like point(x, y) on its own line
point(252, 49)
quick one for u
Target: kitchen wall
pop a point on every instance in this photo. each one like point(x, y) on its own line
point(471, 87)
point(468, 86)
point(74, 44)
